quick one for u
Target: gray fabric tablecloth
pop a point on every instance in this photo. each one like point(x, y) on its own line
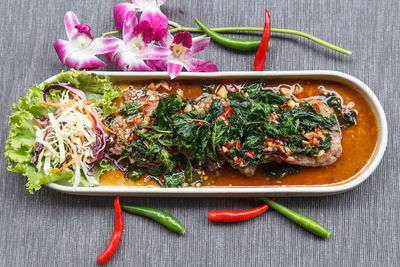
point(54, 229)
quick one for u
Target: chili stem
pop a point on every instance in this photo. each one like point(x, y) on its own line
point(109, 33)
point(260, 29)
point(303, 221)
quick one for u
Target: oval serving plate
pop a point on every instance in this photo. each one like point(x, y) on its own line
point(248, 191)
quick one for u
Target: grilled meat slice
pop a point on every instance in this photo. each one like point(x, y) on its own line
point(327, 157)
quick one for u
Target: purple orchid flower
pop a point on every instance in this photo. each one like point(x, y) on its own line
point(183, 48)
point(135, 49)
point(81, 49)
point(151, 13)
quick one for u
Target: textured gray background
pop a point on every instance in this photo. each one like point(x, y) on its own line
point(53, 229)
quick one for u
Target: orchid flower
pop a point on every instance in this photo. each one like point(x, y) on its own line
point(183, 48)
point(151, 13)
point(81, 49)
point(135, 48)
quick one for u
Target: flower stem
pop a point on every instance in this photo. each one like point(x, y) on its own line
point(259, 29)
point(109, 33)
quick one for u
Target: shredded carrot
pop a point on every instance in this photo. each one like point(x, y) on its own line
point(89, 102)
point(68, 105)
point(75, 96)
point(86, 111)
point(101, 123)
point(82, 136)
point(66, 165)
point(38, 125)
point(55, 99)
point(52, 104)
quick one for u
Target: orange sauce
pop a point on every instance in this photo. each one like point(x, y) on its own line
point(358, 143)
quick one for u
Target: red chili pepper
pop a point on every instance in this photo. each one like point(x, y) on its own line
point(131, 138)
point(280, 149)
point(116, 236)
point(279, 142)
point(230, 87)
point(250, 154)
point(200, 123)
point(315, 105)
point(227, 113)
point(236, 216)
point(238, 145)
point(278, 157)
point(261, 55)
point(238, 160)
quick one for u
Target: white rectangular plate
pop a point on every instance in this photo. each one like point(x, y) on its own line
point(248, 191)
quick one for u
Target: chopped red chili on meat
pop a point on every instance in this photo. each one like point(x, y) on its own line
point(231, 87)
point(238, 160)
point(250, 154)
point(227, 113)
point(131, 138)
point(315, 105)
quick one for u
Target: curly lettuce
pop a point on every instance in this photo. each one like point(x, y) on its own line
point(21, 141)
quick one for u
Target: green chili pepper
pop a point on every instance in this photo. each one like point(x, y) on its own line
point(305, 222)
point(244, 45)
point(158, 215)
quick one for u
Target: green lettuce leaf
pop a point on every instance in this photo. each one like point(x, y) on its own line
point(21, 140)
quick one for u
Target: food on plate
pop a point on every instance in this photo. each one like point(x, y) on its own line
point(84, 130)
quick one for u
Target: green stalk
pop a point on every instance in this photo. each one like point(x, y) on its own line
point(258, 29)
point(109, 33)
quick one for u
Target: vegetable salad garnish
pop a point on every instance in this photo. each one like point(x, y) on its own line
point(59, 131)
point(73, 136)
point(148, 45)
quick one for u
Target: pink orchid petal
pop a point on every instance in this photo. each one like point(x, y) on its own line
point(84, 29)
point(63, 49)
point(159, 64)
point(158, 21)
point(153, 52)
point(129, 25)
point(128, 62)
point(145, 30)
point(167, 40)
point(83, 60)
point(183, 38)
point(70, 21)
point(120, 10)
point(104, 45)
point(197, 65)
point(200, 44)
point(174, 69)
